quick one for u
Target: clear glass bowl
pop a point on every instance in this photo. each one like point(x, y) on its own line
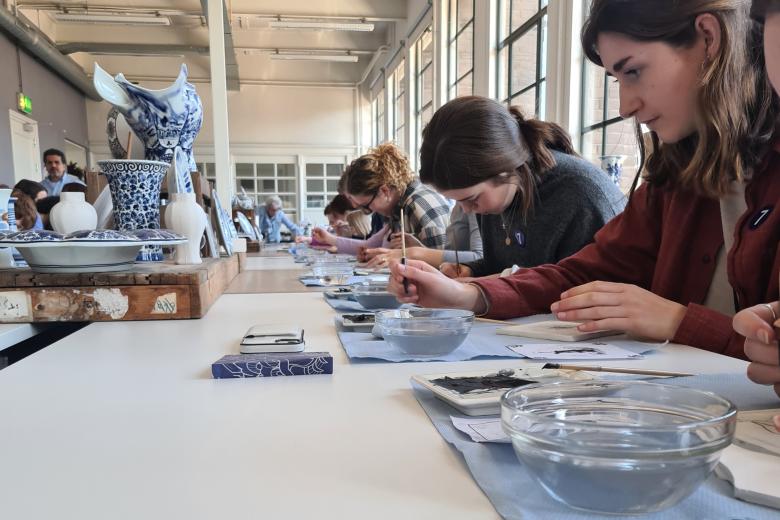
point(333, 273)
point(425, 332)
point(617, 447)
point(374, 296)
point(327, 258)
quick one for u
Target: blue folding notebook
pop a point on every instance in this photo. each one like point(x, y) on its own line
point(272, 364)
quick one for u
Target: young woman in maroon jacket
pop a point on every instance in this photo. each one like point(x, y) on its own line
point(662, 269)
point(756, 323)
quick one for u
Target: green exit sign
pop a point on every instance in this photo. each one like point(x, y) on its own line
point(24, 103)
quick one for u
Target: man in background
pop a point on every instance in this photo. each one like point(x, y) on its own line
point(56, 168)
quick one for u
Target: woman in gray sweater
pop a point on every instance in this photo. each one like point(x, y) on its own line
point(536, 200)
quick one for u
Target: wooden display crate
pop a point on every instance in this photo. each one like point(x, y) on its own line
point(154, 291)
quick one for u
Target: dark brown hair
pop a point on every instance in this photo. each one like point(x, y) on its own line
point(30, 188)
point(25, 210)
point(473, 139)
point(737, 106)
point(74, 187)
point(385, 165)
point(760, 8)
point(339, 204)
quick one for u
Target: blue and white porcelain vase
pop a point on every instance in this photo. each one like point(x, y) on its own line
point(135, 194)
point(161, 119)
point(5, 221)
point(613, 165)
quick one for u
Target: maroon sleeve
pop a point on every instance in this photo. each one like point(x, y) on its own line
point(709, 330)
point(623, 251)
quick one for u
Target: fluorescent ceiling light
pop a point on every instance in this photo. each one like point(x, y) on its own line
point(316, 57)
point(120, 19)
point(325, 26)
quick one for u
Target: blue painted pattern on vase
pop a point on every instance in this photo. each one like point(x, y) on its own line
point(161, 119)
point(135, 192)
point(613, 165)
point(12, 214)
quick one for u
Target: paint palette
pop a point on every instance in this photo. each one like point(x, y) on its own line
point(479, 392)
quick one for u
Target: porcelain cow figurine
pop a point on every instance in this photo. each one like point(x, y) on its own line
point(161, 119)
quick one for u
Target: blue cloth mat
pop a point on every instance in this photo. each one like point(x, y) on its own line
point(482, 342)
point(517, 496)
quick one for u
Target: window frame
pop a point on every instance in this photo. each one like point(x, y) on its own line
point(540, 21)
point(452, 40)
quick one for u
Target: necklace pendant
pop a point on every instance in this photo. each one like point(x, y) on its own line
point(507, 241)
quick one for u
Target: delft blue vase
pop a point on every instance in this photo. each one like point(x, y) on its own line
point(613, 165)
point(135, 193)
point(5, 200)
point(161, 119)
point(12, 214)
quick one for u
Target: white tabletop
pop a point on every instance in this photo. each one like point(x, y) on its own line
point(123, 421)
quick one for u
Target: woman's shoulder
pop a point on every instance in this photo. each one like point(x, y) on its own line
point(426, 197)
point(577, 175)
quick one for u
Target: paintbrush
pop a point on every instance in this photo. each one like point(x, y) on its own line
point(403, 250)
point(500, 322)
point(637, 371)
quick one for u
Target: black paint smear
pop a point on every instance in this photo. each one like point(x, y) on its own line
point(359, 318)
point(583, 350)
point(465, 385)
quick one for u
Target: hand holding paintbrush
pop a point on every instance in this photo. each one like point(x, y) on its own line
point(759, 325)
point(403, 250)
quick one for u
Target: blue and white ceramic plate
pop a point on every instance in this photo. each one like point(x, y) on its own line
point(246, 226)
point(89, 251)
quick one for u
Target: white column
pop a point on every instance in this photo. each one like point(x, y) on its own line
point(440, 50)
point(564, 65)
point(410, 101)
point(485, 48)
point(225, 187)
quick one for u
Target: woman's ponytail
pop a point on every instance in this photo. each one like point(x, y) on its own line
point(540, 137)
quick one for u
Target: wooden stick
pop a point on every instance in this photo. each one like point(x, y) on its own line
point(500, 322)
point(403, 249)
point(637, 371)
point(129, 144)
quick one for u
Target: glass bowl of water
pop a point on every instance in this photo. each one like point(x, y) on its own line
point(333, 273)
point(374, 295)
point(617, 447)
point(425, 332)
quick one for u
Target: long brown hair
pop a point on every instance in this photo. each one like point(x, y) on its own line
point(473, 139)
point(385, 165)
point(25, 210)
point(737, 107)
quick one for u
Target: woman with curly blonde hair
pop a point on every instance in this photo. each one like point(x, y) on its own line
point(382, 182)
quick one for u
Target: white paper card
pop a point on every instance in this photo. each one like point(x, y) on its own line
point(755, 476)
point(755, 429)
point(554, 330)
point(481, 430)
point(579, 351)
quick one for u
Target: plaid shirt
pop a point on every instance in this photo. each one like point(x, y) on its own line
point(426, 215)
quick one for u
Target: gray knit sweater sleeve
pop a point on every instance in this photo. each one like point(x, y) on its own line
point(463, 235)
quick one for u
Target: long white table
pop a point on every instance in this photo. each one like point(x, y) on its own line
point(123, 421)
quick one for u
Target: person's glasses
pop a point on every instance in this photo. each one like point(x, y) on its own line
point(366, 208)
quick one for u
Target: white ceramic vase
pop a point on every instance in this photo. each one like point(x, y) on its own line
point(72, 213)
point(184, 216)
